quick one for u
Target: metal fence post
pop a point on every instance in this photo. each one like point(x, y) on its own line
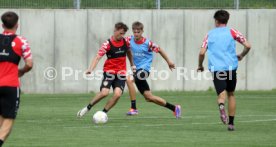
point(158, 4)
point(237, 4)
point(77, 4)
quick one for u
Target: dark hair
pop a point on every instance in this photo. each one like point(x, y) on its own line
point(222, 16)
point(137, 26)
point(121, 25)
point(9, 19)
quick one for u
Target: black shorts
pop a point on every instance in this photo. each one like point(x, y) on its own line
point(9, 101)
point(140, 78)
point(225, 80)
point(113, 80)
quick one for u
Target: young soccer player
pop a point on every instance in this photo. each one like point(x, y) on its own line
point(223, 62)
point(142, 50)
point(116, 48)
point(12, 48)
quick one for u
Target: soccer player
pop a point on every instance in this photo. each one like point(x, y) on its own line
point(116, 48)
point(223, 62)
point(142, 50)
point(12, 48)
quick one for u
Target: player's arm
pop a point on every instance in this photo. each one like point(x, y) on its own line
point(130, 58)
point(27, 67)
point(93, 64)
point(102, 51)
point(27, 56)
point(238, 36)
point(247, 47)
point(129, 54)
point(154, 47)
point(166, 58)
point(201, 57)
point(202, 52)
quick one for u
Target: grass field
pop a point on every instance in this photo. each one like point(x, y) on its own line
point(141, 4)
point(50, 121)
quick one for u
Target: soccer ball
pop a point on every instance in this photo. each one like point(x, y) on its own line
point(100, 117)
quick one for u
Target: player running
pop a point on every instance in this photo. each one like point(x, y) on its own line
point(116, 48)
point(142, 50)
point(223, 62)
point(12, 48)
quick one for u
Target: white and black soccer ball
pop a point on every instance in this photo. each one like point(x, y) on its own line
point(100, 117)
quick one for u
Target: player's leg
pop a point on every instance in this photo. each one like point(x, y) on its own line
point(1, 122)
point(231, 110)
point(98, 97)
point(144, 89)
point(155, 99)
point(112, 102)
point(104, 91)
point(160, 101)
point(132, 93)
point(221, 104)
point(220, 84)
point(9, 106)
point(5, 129)
point(118, 85)
point(231, 86)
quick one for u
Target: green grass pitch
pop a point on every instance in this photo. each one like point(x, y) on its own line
point(50, 121)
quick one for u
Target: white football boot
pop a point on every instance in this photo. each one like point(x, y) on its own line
point(82, 112)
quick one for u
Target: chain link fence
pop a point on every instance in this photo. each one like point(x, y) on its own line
point(139, 4)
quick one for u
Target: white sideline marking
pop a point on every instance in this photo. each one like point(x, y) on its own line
point(155, 117)
point(159, 125)
point(262, 120)
point(184, 117)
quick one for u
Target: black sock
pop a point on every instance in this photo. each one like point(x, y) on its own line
point(89, 106)
point(133, 104)
point(231, 120)
point(105, 111)
point(221, 106)
point(170, 106)
point(1, 142)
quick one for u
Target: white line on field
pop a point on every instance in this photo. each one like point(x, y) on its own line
point(153, 117)
point(159, 125)
point(185, 117)
point(262, 120)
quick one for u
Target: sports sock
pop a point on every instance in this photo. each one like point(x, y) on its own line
point(89, 106)
point(133, 104)
point(221, 106)
point(105, 111)
point(170, 106)
point(231, 120)
point(1, 142)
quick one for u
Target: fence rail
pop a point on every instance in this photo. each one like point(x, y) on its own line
point(138, 4)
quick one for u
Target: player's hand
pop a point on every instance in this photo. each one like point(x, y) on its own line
point(240, 57)
point(20, 73)
point(133, 68)
point(200, 69)
point(171, 65)
point(88, 72)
